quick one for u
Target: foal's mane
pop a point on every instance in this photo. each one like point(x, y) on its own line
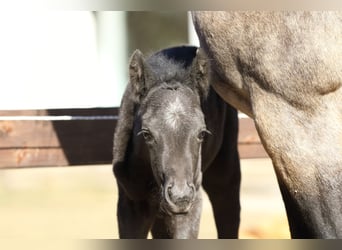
point(168, 70)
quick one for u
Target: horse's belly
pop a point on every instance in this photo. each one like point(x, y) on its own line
point(296, 55)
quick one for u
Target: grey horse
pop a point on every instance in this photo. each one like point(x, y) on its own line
point(284, 69)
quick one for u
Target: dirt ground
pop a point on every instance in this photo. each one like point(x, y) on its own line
point(80, 203)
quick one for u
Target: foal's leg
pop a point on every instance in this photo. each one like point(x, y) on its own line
point(160, 230)
point(222, 180)
point(305, 144)
point(179, 226)
point(134, 217)
point(223, 190)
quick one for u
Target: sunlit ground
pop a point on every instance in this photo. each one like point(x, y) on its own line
point(80, 202)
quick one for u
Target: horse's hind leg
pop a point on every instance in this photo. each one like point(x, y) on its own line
point(221, 181)
point(134, 217)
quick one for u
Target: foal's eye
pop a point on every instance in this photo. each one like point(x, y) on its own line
point(146, 134)
point(201, 135)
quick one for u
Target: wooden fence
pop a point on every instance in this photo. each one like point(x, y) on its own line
point(66, 137)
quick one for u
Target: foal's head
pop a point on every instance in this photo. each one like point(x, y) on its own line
point(168, 95)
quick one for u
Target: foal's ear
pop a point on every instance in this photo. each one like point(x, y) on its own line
point(139, 73)
point(200, 72)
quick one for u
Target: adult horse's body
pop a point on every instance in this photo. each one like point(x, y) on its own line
point(284, 69)
point(159, 156)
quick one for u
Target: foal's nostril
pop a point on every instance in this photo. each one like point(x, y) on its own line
point(192, 190)
point(169, 191)
point(180, 197)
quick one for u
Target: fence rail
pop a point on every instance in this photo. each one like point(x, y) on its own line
point(66, 137)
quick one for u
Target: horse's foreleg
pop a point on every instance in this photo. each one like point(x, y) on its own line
point(305, 144)
point(180, 226)
point(160, 229)
point(134, 217)
point(221, 181)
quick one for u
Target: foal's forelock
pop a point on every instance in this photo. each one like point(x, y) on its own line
point(173, 102)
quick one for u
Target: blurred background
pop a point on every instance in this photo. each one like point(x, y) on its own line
point(63, 75)
point(77, 59)
point(79, 202)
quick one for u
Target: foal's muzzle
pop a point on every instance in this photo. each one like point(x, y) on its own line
point(179, 196)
